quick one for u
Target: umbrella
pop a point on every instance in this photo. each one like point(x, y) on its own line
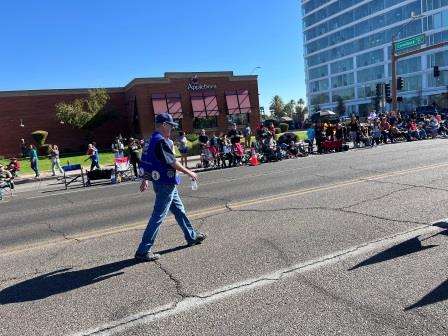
point(286, 119)
point(325, 113)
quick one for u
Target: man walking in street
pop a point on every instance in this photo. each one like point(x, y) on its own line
point(159, 165)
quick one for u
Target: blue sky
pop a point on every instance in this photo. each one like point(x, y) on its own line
point(106, 43)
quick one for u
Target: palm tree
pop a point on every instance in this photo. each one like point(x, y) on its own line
point(300, 110)
point(277, 107)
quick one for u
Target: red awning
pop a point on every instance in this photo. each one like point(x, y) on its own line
point(244, 101)
point(232, 102)
point(238, 101)
point(211, 104)
point(204, 104)
point(159, 103)
point(198, 105)
point(174, 105)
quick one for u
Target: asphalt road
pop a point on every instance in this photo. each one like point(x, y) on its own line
point(331, 244)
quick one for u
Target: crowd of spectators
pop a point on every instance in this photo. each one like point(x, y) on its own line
point(379, 129)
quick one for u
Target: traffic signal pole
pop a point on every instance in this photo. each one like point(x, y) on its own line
point(393, 85)
point(394, 60)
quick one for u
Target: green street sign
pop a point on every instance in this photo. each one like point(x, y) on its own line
point(411, 42)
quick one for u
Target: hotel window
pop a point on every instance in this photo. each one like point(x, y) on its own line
point(318, 72)
point(342, 80)
point(345, 94)
point(320, 85)
point(367, 91)
point(321, 98)
point(369, 58)
point(341, 66)
point(437, 81)
point(409, 66)
point(412, 83)
point(440, 59)
point(370, 74)
point(205, 110)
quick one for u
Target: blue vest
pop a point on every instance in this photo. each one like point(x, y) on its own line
point(153, 168)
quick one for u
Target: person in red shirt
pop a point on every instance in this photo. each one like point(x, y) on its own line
point(14, 167)
point(412, 130)
point(385, 126)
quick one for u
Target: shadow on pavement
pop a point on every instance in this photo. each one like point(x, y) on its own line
point(174, 249)
point(62, 189)
point(407, 247)
point(61, 281)
point(438, 294)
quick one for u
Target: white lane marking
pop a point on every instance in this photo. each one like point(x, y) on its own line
point(191, 303)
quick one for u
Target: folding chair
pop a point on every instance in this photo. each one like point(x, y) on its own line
point(123, 170)
point(69, 179)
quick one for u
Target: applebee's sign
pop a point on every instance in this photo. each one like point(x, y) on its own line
point(200, 87)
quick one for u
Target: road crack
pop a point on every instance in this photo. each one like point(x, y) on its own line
point(62, 233)
point(178, 284)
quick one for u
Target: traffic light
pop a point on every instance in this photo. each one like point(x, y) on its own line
point(436, 71)
point(378, 90)
point(389, 100)
point(400, 83)
point(387, 90)
point(399, 99)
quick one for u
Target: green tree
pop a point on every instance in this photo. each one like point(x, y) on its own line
point(289, 108)
point(340, 106)
point(277, 107)
point(81, 111)
point(301, 110)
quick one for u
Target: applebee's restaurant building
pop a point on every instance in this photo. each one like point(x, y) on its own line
point(197, 100)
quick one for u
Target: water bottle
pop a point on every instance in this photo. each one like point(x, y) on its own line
point(194, 184)
point(112, 177)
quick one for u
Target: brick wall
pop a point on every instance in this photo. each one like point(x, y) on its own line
point(37, 111)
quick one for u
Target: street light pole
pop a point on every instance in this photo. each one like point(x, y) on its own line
point(393, 85)
point(254, 69)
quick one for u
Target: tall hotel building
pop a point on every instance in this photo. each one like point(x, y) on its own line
point(347, 50)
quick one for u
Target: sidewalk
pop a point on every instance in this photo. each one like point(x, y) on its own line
point(45, 176)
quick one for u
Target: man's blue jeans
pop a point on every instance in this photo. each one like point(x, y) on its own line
point(167, 198)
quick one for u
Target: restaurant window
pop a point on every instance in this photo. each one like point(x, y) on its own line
point(205, 109)
point(205, 122)
point(241, 119)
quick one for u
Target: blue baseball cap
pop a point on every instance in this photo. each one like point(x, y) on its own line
point(165, 118)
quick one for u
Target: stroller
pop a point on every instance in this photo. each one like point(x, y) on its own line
point(225, 154)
